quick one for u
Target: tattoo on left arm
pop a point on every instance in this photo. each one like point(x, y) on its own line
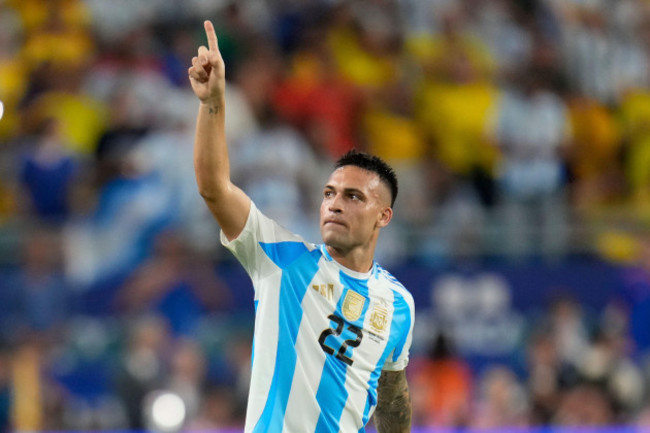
point(393, 413)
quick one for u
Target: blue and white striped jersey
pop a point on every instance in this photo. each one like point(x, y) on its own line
point(323, 333)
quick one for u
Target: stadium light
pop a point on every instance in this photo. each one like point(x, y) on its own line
point(165, 412)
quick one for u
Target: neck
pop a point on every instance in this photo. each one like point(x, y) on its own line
point(358, 259)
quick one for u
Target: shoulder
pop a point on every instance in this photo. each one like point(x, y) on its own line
point(285, 253)
point(263, 237)
point(400, 293)
point(282, 245)
point(267, 230)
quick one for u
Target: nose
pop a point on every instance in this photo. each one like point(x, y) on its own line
point(334, 204)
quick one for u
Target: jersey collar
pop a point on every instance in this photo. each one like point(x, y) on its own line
point(348, 271)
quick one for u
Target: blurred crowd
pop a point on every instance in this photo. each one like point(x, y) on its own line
point(572, 368)
point(515, 127)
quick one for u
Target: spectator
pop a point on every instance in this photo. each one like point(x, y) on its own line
point(187, 376)
point(105, 246)
point(141, 367)
point(47, 175)
point(532, 129)
point(501, 401)
point(276, 161)
point(316, 99)
point(594, 154)
point(218, 411)
point(584, 406)
point(13, 71)
point(568, 327)
point(40, 299)
point(175, 282)
point(364, 43)
point(441, 385)
point(636, 133)
point(548, 377)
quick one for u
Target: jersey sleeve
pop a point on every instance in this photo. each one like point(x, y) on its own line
point(247, 247)
point(399, 356)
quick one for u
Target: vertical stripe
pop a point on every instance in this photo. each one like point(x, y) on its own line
point(332, 394)
point(399, 328)
point(296, 277)
point(256, 302)
point(402, 311)
point(302, 408)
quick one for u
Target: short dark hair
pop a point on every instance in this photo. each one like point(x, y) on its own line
point(374, 164)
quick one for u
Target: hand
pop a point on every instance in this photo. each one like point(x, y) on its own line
point(208, 72)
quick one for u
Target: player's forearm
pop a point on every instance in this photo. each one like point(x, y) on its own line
point(211, 162)
point(393, 413)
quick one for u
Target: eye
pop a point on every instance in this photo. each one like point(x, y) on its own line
point(328, 193)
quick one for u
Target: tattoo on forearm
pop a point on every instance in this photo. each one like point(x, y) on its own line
point(393, 413)
point(213, 109)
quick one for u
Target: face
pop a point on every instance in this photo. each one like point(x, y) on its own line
point(356, 204)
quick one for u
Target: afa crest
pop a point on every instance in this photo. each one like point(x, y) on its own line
point(379, 319)
point(353, 305)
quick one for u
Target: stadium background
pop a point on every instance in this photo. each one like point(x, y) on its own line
point(520, 132)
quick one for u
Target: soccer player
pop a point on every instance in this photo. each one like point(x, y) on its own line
point(332, 328)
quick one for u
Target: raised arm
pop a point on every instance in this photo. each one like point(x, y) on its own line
point(393, 413)
point(229, 204)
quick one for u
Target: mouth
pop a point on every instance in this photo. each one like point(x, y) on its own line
point(334, 222)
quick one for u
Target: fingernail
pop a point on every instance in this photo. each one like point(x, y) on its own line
point(204, 60)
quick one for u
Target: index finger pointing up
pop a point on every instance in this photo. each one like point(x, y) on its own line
point(212, 36)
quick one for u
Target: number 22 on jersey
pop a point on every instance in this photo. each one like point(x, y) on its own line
point(330, 346)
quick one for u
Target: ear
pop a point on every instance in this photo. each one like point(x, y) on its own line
point(385, 217)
